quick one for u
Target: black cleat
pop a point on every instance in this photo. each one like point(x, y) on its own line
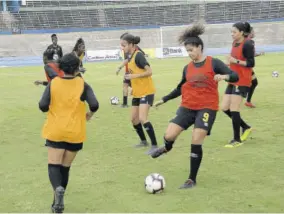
point(158, 152)
point(188, 184)
point(143, 143)
point(152, 149)
point(58, 206)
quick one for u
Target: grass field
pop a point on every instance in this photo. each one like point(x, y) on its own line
point(108, 174)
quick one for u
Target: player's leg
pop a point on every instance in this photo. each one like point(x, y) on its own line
point(125, 93)
point(144, 107)
point(183, 120)
point(136, 122)
point(254, 84)
point(202, 127)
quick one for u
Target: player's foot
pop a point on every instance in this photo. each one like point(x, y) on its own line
point(250, 105)
point(58, 206)
point(124, 106)
point(143, 143)
point(153, 148)
point(246, 134)
point(234, 143)
point(158, 152)
point(188, 184)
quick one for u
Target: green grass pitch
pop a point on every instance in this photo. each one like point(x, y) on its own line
point(108, 174)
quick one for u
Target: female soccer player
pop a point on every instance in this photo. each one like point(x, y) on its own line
point(143, 89)
point(65, 128)
point(51, 68)
point(126, 83)
point(254, 81)
point(200, 99)
point(79, 51)
point(241, 61)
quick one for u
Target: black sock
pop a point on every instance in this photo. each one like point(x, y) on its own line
point(236, 119)
point(140, 132)
point(54, 175)
point(124, 100)
point(168, 144)
point(65, 175)
point(195, 160)
point(243, 123)
point(254, 83)
point(150, 130)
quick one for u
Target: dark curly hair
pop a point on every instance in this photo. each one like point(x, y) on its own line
point(191, 36)
point(69, 63)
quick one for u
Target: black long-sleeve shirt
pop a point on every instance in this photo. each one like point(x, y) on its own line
point(87, 95)
point(249, 53)
point(218, 67)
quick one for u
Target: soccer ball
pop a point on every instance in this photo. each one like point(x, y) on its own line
point(155, 183)
point(275, 74)
point(114, 100)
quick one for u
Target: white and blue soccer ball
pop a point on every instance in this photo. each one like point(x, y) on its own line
point(275, 74)
point(114, 100)
point(155, 183)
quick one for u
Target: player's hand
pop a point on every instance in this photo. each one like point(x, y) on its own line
point(129, 76)
point(89, 115)
point(158, 103)
point(232, 60)
point(219, 77)
point(118, 70)
point(38, 82)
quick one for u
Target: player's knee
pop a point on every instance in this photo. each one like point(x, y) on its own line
point(170, 136)
point(143, 119)
point(135, 120)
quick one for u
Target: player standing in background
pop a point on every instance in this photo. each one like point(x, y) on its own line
point(126, 83)
point(57, 50)
point(79, 50)
point(143, 89)
point(200, 99)
point(65, 128)
point(51, 68)
point(254, 81)
point(241, 61)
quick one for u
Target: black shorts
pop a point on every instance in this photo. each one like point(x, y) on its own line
point(202, 119)
point(237, 90)
point(148, 99)
point(127, 82)
point(73, 147)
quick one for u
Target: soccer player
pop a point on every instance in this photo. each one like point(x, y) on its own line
point(80, 50)
point(143, 89)
point(254, 81)
point(126, 83)
point(51, 68)
point(65, 128)
point(200, 99)
point(241, 61)
point(57, 50)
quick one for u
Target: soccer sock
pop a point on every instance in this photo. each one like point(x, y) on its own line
point(54, 175)
point(65, 175)
point(168, 144)
point(243, 124)
point(150, 130)
point(236, 119)
point(124, 100)
point(254, 83)
point(195, 160)
point(140, 132)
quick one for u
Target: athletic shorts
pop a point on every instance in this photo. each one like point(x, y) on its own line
point(237, 90)
point(148, 99)
point(73, 147)
point(127, 82)
point(202, 119)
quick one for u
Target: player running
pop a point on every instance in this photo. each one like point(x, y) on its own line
point(200, 99)
point(241, 61)
point(143, 89)
point(65, 128)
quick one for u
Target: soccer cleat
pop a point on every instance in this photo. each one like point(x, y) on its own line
point(153, 148)
point(233, 144)
point(250, 105)
point(188, 184)
point(143, 143)
point(158, 152)
point(58, 206)
point(246, 134)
